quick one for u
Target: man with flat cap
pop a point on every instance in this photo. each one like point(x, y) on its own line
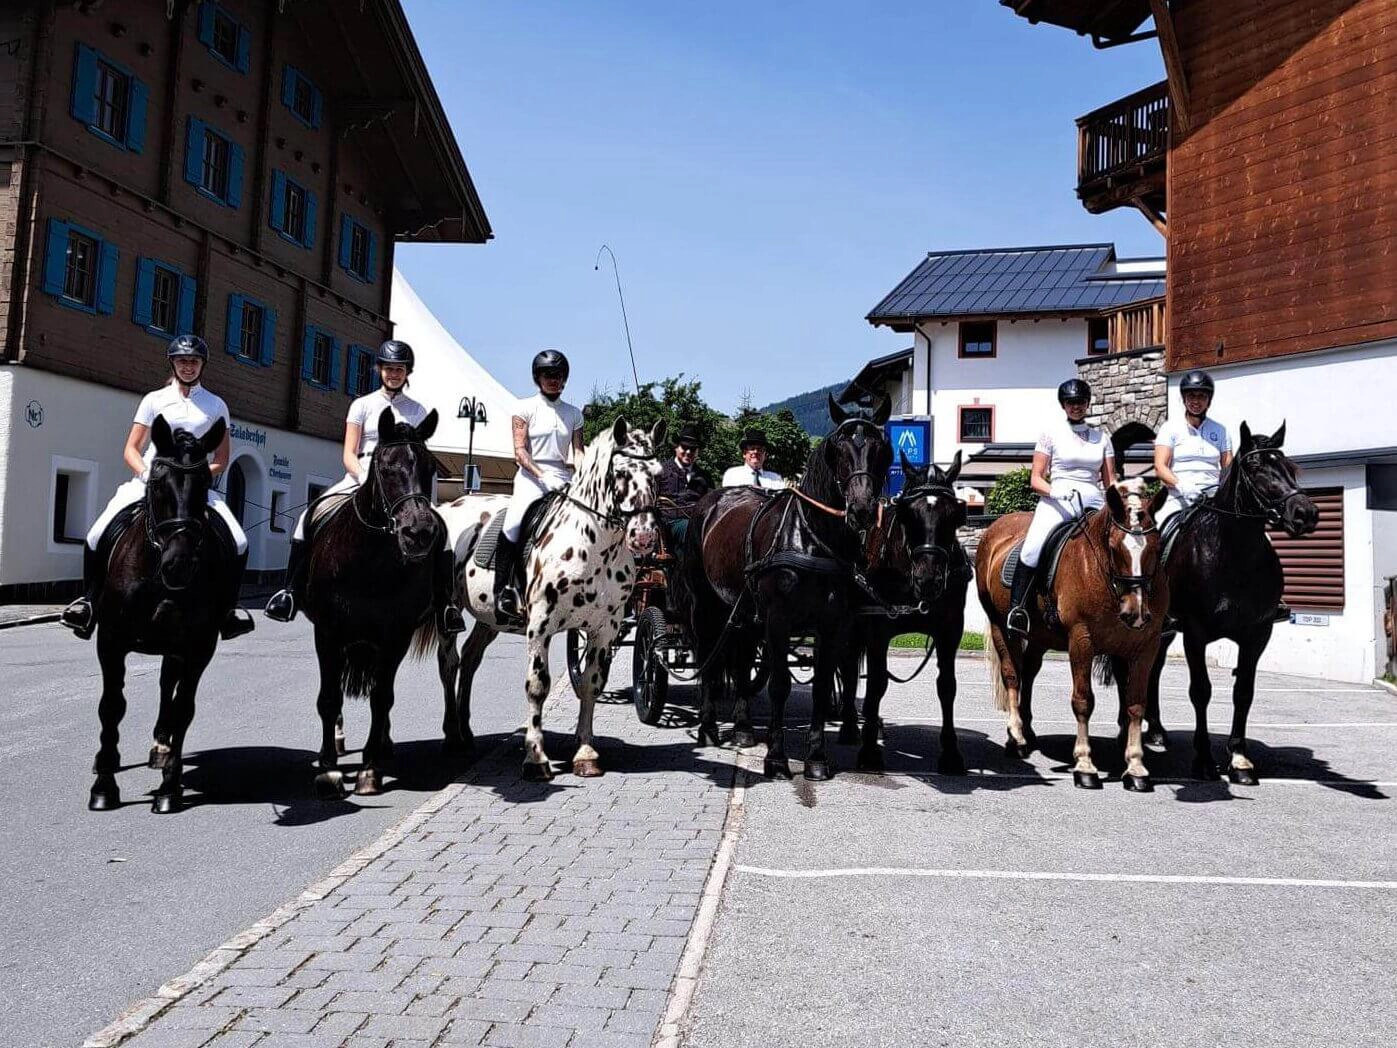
point(753, 471)
point(682, 483)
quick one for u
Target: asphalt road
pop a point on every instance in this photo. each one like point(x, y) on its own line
point(101, 908)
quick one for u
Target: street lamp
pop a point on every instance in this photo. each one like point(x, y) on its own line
point(634, 374)
point(472, 409)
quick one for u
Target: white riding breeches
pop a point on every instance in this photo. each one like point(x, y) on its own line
point(1068, 501)
point(1176, 502)
point(135, 489)
point(345, 483)
point(528, 489)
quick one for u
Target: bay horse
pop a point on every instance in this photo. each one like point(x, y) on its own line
point(1225, 581)
point(781, 564)
point(369, 584)
point(916, 562)
point(166, 592)
point(1108, 599)
point(579, 571)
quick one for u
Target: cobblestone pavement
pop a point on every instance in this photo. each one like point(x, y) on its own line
point(501, 913)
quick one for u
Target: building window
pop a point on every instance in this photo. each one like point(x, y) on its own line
point(113, 92)
point(1098, 336)
point(164, 299)
point(294, 200)
point(977, 338)
point(80, 268)
point(250, 338)
point(80, 277)
point(976, 425)
point(1313, 565)
point(213, 177)
point(314, 489)
point(278, 519)
point(320, 358)
point(72, 501)
point(301, 96)
point(292, 213)
point(213, 163)
point(226, 38)
point(250, 334)
point(358, 250)
point(363, 377)
point(108, 99)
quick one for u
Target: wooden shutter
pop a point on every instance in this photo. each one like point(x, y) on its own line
point(145, 292)
point(137, 102)
point(1314, 564)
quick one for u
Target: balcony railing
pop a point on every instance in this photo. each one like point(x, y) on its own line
point(1139, 325)
point(1123, 139)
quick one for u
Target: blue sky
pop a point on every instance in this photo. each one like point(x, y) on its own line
point(764, 172)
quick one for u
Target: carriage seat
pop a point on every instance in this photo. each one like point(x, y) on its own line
point(484, 555)
point(1052, 554)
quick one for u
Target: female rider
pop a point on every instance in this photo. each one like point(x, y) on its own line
point(1190, 453)
point(395, 362)
point(186, 405)
point(1070, 469)
point(547, 433)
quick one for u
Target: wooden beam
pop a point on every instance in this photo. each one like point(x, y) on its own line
point(1156, 219)
point(1173, 63)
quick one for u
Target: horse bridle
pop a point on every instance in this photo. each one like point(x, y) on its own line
point(851, 424)
point(1123, 584)
point(160, 532)
point(924, 491)
point(1270, 509)
point(389, 508)
point(616, 518)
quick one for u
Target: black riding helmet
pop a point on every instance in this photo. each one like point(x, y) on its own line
point(1073, 389)
point(395, 352)
point(1197, 381)
point(550, 360)
point(188, 346)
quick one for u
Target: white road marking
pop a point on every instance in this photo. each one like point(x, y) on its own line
point(893, 718)
point(1158, 780)
point(1047, 875)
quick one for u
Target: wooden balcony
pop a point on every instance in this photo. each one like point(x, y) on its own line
point(1122, 150)
point(1138, 326)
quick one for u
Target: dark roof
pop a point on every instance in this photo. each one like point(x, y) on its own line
point(1107, 22)
point(874, 373)
point(1012, 281)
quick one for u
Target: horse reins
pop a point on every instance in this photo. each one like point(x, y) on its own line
point(171, 526)
point(389, 508)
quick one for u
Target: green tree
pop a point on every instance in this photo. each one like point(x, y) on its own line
point(677, 400)
point(1011, 493)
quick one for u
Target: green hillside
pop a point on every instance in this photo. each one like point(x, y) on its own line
point(810, 409)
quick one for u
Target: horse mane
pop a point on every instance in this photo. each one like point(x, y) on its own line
point(819, 481)
point(590, 479)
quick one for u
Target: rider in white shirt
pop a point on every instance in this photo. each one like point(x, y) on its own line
point(753, 471)
point(1190, 453)
point(547, 438)
point(1070, 468)
point(394, 362)
point(186, 405)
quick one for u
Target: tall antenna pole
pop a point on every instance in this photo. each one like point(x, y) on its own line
point(616, 270)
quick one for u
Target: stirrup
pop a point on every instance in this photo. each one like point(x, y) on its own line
point(237, 624)
point(1282, 612)
point(507, 605)
point(1017, 621)
point(452, 621)
point(80, 617)
point(282, 606)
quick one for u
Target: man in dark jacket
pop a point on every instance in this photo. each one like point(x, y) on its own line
point(682, 482)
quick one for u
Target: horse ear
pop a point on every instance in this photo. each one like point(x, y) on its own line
point(428, 426)
point(387, 425)
point(1278, 437)
point(214, 437)
point(1157, 503)
point(657, 433)
point(1115, 503)
point(882, 412)
point(902, 459)
point(837, 415)
point(162, 437)
point(619, 429)
point(1246, 437)
point(953, 472)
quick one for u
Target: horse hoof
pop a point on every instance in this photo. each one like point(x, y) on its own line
point(329, 784)
point(871, 761)
point(1156, 741)
point(587, 769)
point(849, 732)
point(776, 768)
point(537, 772)
point(104, 800)
point(1086, 780)
point(167, 804)
point(950, 764)
point(159, 757)
point(1206, 770)
point(367, 783)
point(1137, 783)
point(819, 771)
point(1243, 777)
point(744, 738)
point(707, 735)
point(1017, 750)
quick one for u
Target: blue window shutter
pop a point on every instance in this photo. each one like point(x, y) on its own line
point(372, 274)
point(194, 151)
point(346, 235)
point(106, 278)
point(83, 104)
point(309, 239)
point(56, 258)
point(244, 49)
point(233, 336)
point(336, 362)
point(235, 174)
point(187, 288)
point(278, 211)
point(206, 24)
point(145, 290)
point(288, 85)
point(136, 116)
point(308, 355)
point(268, 336)
point(317, 107)
point(351, 378)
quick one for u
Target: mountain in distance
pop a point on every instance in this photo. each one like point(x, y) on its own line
point(810, 409)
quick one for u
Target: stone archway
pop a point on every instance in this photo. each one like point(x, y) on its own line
point(1126, 436)
point(1130, 395)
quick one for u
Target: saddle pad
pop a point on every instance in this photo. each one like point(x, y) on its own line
point(1048, 561)
point(1173, 528)
point(323, 508)
point(484, 555)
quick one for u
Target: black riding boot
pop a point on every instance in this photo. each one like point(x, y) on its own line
point(452, 620)
point(1018, 619)
point(81, 615)
point(238, 622)
point(1282, 613)
point(506, 568)
point(282, 606)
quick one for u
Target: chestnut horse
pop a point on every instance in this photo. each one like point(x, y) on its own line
point(1108, 599)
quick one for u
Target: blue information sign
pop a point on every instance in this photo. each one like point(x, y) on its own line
point(912, 437)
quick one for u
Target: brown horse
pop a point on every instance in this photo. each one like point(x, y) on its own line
point(1108, 600)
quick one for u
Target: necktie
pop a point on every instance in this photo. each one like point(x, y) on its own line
point(756, 478)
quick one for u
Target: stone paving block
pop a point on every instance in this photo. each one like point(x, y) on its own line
point(617, 941)
point(432, 1004)
point(573, 1016)
point(591, 996)
point(418, 1027)
point(378, 981)
point(241, 1039)
point(590, 957)
point(313, 999)
point(369, 1002)
point(338, 1024)
point(256, 996)
point(530, 1036)
point(633, 1022)
point(466, 1032)
point(282, 1040)
point(269, 1019)
point(207, 1017)
point(656, 926)
point(532, 990)
point(162, 1036)
point(639, 978)
point(491, 1011)
point(609, 1039)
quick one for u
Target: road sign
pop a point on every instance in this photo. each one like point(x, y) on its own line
point(912, 437)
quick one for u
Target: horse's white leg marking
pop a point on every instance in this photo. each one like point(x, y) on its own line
point(1083, 699)
point(536, 685)
point(598, 643)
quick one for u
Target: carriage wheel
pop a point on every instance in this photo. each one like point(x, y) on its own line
point(577, 650)
point(649, 677)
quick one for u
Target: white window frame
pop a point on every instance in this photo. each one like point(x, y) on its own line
point(63, 464)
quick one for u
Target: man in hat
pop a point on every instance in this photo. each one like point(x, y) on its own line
point(682, 482)
point(753, 471)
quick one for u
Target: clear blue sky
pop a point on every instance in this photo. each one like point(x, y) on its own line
point(765, 173)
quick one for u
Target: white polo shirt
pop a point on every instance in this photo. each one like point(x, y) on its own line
point(195, 413)
point(1075, 452)
point(1198, 452)
point(365, 413)
point(746, 476)
point(551, 426)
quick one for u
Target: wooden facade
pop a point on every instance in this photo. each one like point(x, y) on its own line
point(332, 97)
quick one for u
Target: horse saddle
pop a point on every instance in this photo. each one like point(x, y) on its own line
point(1048, 561)
point(484, 555)
point(1174, 527)
point(124, 520)
point(323, 509)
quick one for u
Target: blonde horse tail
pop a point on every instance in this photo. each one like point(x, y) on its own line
point(1001, 693)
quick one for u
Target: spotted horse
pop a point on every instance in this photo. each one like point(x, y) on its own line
point(579, 567)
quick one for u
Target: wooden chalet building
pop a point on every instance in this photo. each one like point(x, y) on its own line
point(241, 169)
point(1268, 160)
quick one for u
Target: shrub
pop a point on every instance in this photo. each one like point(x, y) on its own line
point(1011, 493)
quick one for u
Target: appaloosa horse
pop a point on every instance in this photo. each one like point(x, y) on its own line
point(914, 561)
point(1225, 581)
point(167, 590)
point(782, 564)
point(369, 587)
point(578, 575)
point(1108, 599)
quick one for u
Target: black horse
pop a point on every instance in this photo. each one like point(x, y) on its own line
point(1225, 581)
point(166, 592)
point(782, 564)
point(914, 561)
point(370, 585)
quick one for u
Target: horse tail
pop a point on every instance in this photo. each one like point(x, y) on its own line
point(1001, 693)
point(358, 675)
point(1104, 670)
point(425, 639)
